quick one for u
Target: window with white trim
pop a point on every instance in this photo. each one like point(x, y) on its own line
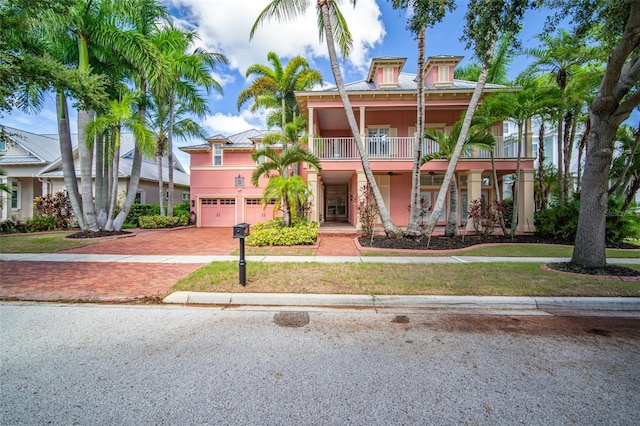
point(262, 158)
point(217, 154)
point(443, 74)
point(387, 76)
point(3, 145)
point(378, 138)
point(15, 195)
point(186, 196)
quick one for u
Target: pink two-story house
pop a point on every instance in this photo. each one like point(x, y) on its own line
point(385, 108)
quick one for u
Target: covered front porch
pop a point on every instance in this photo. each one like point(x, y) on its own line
point(336, 195)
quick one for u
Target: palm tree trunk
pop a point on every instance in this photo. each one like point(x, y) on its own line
point(66, 156)
point(464, 131)
point(170, 154)
point(516, 192)
point(542, 198)
point(451, 230)
point(132, 189)
point(100, 188)
point(497, 197)
point(413, 228)
point(561, 199)
point(389, 227)
point(581, 150)
point(159, 157)
point(569, 131)
point(86, 165)
point(114, 183)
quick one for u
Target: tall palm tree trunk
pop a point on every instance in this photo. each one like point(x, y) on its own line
point(170, 154)
point(413, 228)
point(159, 157)
point(389, 227)
point(541, 157)
point(101, 194)
point(451, 229)
point(464, 131)
point(516, 191)
point(86, 165)
point(66, 155)
point(113, 199)
point(497, 195)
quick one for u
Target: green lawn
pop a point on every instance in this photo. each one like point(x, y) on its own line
point(483, 279)
point(49, 242)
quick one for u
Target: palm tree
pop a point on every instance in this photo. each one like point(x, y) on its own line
point(98, 28)
point(559, 57)
point(332, 24)
point(121, 114)
point(626, 166)
point(274, 87)
point(158, 123)
point(520, 107)
point(288, 193)
point(478, 138)
point(186, 71)
point(278, 162)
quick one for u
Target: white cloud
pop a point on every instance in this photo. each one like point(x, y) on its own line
point(224, 27)
point(229, 124)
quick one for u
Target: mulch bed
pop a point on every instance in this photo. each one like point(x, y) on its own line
point(99, 234)
point(446, 243)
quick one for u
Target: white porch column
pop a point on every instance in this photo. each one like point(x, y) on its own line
point(528, 141)
point(474, 191)
point(316, 200)
point(363, 128)
point(5, 211)
point(361, 181)
point(311, 133)
point(526, 202)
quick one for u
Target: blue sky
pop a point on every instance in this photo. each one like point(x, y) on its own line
point(224, 25)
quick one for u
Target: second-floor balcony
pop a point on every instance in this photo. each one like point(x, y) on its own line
point(400, 148)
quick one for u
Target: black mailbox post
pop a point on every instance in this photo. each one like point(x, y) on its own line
point(240, 231)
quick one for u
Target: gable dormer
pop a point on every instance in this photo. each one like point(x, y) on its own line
point(439, 70)
point(384, 72)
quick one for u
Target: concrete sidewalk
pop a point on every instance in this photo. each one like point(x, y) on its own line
point(204, 259)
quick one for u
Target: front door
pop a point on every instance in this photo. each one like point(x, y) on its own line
point(336, 203)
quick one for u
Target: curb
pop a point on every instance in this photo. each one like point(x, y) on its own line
point(630, 304)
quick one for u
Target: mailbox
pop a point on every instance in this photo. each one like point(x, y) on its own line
point(240, 230)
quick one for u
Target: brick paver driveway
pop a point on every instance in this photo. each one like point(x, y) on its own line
point(97, 281)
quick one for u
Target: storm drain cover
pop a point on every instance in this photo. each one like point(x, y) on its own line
point(291, 319)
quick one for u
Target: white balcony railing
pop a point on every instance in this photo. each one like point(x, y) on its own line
point(398, 148)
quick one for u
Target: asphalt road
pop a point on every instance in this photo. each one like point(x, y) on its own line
point(126, 365)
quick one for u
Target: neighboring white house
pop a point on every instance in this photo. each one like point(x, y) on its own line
point(551, 147)
point(32, 167)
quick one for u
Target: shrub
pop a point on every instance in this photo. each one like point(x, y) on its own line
point(157, 221)
point(183, 211)
point(56, 207)
point(274, 233)
point(562, 222)
point(41, 223)
point(137, 210)
point(11, 227)
point(367, 211)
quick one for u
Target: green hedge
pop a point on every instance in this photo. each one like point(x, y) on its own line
point(138, 210)
point(562, 222)
point(155, 222)
point(273, 233)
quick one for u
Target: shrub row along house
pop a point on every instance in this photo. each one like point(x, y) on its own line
point(385, 107)
point(33, 168)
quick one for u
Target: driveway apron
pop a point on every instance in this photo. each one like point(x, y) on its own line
point(105, 281)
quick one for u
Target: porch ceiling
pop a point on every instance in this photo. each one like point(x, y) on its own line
point(336, 178)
